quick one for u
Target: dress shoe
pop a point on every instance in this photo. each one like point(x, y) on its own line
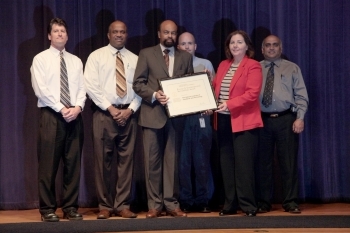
point(49, 217)
point(176, 213)
point(227, 212)
point(250, 213)
point(294, 210)
point(126, 213)
point(186, 208)
point(72, 215)
point(103, 214)
point(263, 210)
point(153, 213)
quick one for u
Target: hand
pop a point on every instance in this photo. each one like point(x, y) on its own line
point(207, 112)
point(209, 73)
point(298, 126)
point(222, 107)
point(123, 116)
point(70, 114)
point(161, 97)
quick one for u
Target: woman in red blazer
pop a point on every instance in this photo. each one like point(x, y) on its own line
point(237, 86)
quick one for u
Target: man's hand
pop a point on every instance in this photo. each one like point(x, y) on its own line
point(161, 97)
point(70, 114)
point(123, 116)
point(207, 112)
point(114, 112)
point(298, 126)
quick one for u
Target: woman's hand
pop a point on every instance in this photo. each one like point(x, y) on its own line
point(222, 107)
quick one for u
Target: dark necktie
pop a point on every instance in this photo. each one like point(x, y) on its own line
point(166, 57)
point(64, 89)
point(267, 96)
point(120, 76)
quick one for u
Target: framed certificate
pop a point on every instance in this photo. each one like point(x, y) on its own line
point(188, 94)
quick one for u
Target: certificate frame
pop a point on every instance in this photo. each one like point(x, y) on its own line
point(188, 94)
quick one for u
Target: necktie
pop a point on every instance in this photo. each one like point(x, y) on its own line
point(267, 96)
point(166, 57)
point(64, 94)
point(120, 76)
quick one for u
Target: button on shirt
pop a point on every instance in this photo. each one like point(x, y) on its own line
point(100, 77)
point(45, 74)
point(289, 88)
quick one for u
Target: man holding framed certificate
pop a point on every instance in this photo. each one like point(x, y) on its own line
point(161, 134)
point(196, 144)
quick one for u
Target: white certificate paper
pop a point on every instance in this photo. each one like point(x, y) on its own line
point(188, 94)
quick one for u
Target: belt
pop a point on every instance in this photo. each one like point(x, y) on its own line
point(121, 106)
point(275, 114)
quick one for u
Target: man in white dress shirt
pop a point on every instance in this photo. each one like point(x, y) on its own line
point(114, 121)
point(61, 126)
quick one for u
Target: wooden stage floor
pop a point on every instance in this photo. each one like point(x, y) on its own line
point(20, 216)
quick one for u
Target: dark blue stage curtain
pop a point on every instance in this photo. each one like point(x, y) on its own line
point(315, 35)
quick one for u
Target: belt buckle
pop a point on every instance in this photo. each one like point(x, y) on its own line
point(274, 115)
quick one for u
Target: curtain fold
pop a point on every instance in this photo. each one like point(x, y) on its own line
point(315, 35)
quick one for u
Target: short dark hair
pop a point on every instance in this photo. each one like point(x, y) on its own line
point(57, 21)
point(250, 50)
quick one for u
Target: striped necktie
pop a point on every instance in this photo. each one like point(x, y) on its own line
point(64, 94)
point(267, 96)
point(166, 57)
point(120, 76)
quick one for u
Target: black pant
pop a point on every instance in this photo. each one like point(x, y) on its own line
point(278, 133)
point(237, 154)
point(59, 140)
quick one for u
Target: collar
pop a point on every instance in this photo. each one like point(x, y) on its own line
point(114, 50)
point(277, 62)
point(56, 52)
point(162, 47)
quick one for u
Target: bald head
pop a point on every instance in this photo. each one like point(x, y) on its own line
point(167, 33)
point(187, 43)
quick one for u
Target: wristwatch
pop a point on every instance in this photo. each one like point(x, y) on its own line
point(132, 110)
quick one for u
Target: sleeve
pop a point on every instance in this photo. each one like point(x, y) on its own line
point(141, 79)
point(300, 93)
point(92, 84)
point(81, 95)
point(39, 84)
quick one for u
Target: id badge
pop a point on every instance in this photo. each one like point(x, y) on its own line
point(202, 122)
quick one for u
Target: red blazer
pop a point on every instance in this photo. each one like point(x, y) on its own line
point(244, 91)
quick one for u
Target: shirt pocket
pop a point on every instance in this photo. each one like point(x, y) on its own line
point(285, 82)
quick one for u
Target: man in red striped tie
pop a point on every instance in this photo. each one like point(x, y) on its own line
point(109, 73)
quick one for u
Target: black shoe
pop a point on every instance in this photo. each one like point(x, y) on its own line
point(186, 208)
point(227, 212)
point(250, 213)
point(72, 215)
point(263, 210)
point(50, 217)
point(294, 210)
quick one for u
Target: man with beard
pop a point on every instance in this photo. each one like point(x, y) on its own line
point(161, 135)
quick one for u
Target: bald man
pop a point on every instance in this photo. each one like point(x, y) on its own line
point(196, 144)
point(114, 122)
point(161, 135)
